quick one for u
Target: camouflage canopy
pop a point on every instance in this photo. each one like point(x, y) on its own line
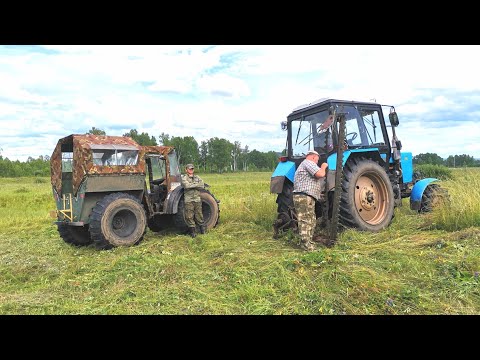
point(80, 149)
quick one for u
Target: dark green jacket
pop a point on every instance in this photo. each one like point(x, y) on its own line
point(191, 187)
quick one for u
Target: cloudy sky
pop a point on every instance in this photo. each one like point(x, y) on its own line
point(237, 92)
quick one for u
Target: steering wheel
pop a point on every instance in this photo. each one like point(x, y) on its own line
point(158, 181)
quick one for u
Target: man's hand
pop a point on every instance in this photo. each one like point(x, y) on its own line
point(322, 172)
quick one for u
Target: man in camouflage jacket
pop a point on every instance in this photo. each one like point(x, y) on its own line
point(193, 203)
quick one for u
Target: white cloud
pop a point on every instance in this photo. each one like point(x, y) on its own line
point(237, 92)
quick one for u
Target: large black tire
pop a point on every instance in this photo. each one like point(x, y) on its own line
point(74, 235)
point(367, 200)
point(285, 198)
point(118, 219)
point(433, 196)
point(210, 210)
point(286, 215)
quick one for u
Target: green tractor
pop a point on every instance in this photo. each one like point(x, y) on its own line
point(367, 176)
point(109, 189)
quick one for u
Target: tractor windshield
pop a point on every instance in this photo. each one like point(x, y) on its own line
point(309, 134)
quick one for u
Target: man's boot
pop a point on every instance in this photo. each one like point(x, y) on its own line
point(202, 229)
point(191, 231)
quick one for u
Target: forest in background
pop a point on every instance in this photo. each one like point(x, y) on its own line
point(215, 155)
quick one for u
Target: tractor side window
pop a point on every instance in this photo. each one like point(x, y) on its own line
point(373, 130)
point(111, 157)
point(127, 157)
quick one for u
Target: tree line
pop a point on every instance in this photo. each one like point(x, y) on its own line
point(452, 161)
point(217, 155)
point(213, 155)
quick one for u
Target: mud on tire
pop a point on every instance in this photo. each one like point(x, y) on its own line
point(118, 219)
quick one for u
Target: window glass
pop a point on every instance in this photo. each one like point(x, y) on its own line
point(373, 130)
point(111, 157)
point(67, 159)
point(308, 134)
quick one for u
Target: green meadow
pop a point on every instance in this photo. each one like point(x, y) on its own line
point(422, 264)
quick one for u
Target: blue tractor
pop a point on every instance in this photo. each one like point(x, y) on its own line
point(368, 175)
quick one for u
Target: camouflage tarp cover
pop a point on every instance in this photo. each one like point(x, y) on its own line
point(83, 160)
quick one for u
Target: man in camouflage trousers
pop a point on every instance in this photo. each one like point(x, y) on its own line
point(307, 189)
point(193, 203)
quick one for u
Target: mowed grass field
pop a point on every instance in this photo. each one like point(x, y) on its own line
point(421, 264)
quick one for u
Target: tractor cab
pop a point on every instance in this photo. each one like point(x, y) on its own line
point(312, 127)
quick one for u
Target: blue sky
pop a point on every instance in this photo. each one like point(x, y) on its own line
point(237, 92)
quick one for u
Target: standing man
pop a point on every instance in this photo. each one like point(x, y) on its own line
point(193, 204)
point(307, 189)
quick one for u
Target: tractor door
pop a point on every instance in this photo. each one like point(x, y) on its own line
point(157, 180)
point(174, 175)
point(365, 129)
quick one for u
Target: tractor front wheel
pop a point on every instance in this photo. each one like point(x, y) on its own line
point(433, 196)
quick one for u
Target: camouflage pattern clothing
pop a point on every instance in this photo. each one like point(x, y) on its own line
point(305, 208)
point(193, 213)
point(191, 185)
point(193, 202)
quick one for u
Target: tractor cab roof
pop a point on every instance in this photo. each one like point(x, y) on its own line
point(324, 101)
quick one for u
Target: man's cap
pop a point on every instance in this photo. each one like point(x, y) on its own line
point(313, 152)
point(189, 166)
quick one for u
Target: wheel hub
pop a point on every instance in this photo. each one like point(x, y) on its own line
point(367, 197)
point(118, 222)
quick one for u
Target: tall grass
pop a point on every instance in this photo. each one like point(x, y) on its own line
point(238, 268)
point(463, 209)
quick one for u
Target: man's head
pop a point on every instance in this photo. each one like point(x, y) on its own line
point(189, 168)
point(313, 155)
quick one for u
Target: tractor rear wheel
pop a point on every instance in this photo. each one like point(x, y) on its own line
point(286, 215)
point(117, 220)
point(75, 235)
point(210, 210)
point(367, 201)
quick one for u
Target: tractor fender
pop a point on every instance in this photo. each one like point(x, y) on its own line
point(283, 170)
point(417, 192)
point(172, 200)
point(371, 153)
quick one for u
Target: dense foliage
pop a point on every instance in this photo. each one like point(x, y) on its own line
point(451, 161)
point(434, 171)
point(218, 155)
